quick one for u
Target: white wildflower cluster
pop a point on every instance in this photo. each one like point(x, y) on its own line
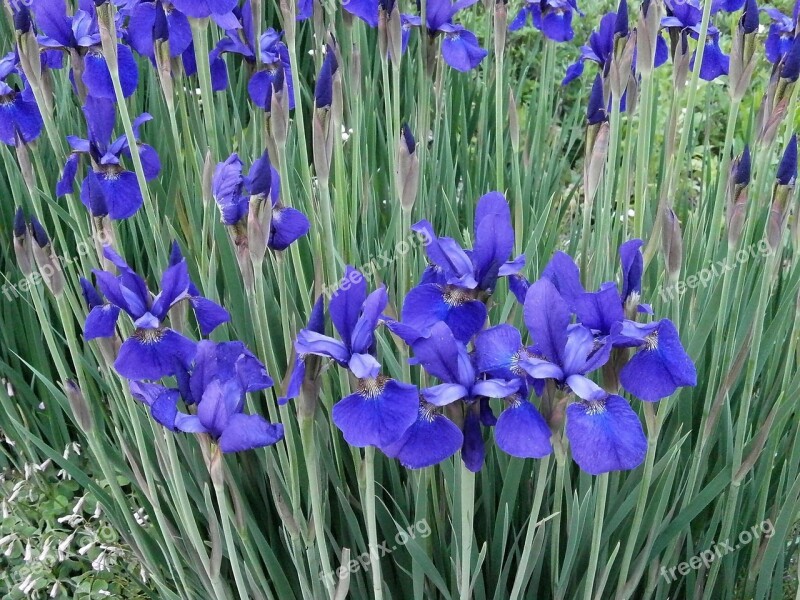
point(44, 552)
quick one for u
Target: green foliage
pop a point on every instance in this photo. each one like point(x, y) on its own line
point(723, 457)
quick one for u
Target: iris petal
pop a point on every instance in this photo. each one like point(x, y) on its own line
point(605, 436)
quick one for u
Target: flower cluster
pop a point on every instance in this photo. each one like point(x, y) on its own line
point(574, 333)
point(211, 379)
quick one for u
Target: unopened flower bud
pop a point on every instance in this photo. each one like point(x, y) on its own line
point(80, 408)
point(208, 177)
point(595, 159)
point(259, 221)
point(649, 29)
point(22, 243)
point(738, 182)
point(500, 26)
point(743, 58)
point(48, 263)
point(407, 169)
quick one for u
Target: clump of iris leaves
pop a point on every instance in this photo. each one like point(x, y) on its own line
point(437, 300)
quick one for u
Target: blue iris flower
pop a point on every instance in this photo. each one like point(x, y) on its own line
point(217, 382)
point(355, 316)
point(275, 68)
point(20, 118)
point(80, 33)
point(442, 355)
point(154, 350)
point(687, 15)
point(142, 29)
point(551, 17)
point(600, 47)
point(108, 188)
point(460, 48)
point(450, 287)
point(232, 192)
point(199, 9)
point(604, 432)
point(781, 33)
point(660, 366)
point(316, 324)
point(381, 409)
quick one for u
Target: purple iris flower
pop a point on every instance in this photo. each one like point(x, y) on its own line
point(275, 67)
point(460, 47)
point(431, 439)
point(217, 382)
point(199, 9)
point(154, 350)
point(81, 33)
point(305, 9)
point(781, 33)
point(210, 315)
point(107, 189)
point(450, 287)
point(316, 324)
point(551, 17)
point(687, 15)
point(605, 435)
point(442, 355)
point(601, 310)
point(20, 118)
point(381, 409)
point(143, 25)
point(275, 72)
point(521, 430)
point(562, 352)
point(600, 48)
point(660, 366)
point(232, 192)
point(355, 316)
point(726, 5)
point(366, 10)
point(227, 187)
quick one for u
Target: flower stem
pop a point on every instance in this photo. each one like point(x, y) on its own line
point(372, 525)
point(467, 518)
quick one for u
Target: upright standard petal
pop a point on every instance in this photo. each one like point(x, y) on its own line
point(547, 317)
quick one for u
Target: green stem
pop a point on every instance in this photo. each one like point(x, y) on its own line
point(372, 525)
point(597, 533)
point(467, 497)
